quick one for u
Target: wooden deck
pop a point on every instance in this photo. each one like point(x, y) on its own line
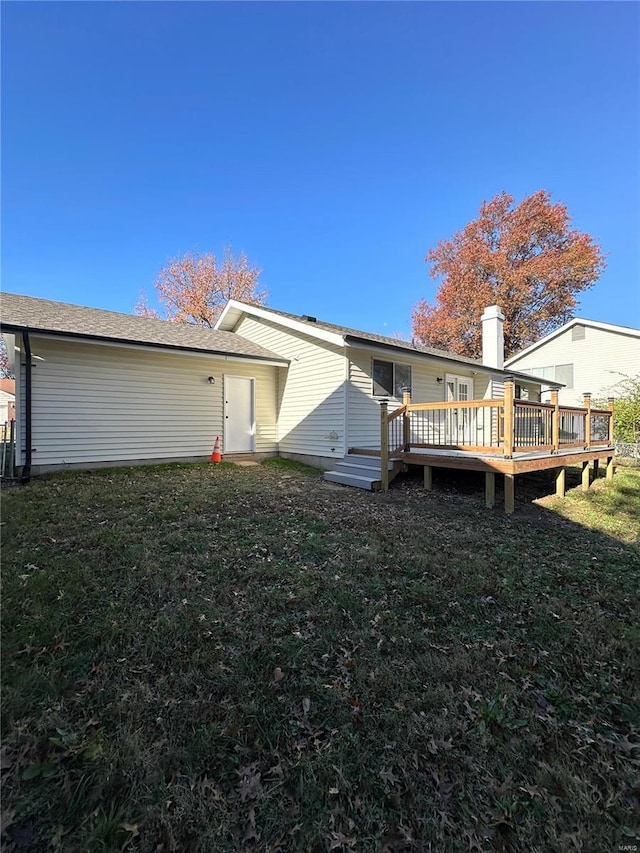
point(500, 436)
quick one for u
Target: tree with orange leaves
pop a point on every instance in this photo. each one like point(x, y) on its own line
point(195, 288)
point(524, 258)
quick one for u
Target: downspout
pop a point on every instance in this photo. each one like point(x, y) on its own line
point(26, 468)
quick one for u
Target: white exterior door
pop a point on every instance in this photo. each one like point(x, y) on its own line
point(239, 420)
point(461, 424)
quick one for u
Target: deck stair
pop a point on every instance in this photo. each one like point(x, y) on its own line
point(361, 472)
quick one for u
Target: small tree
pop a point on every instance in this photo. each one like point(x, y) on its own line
point(195, 288)
point(626, 413)
point(524, 258)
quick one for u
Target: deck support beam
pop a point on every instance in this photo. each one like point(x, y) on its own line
point(490, 489)
point(428, 478)
point(509, 493)
point(585, 476)
point(596, 468)
point(610, 468)
point(561, 482)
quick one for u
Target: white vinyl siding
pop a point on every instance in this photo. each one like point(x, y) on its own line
point(311, 400)
point(364, 409)
point(600, 360)
point(95, 403)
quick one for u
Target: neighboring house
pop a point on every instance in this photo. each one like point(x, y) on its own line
point(98, 387)
point(585, 356)
point(7, 401)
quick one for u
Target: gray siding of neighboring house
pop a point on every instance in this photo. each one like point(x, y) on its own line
point(94, 403)
point(311, 399)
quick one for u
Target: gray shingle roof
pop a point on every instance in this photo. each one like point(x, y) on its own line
point(409, 346)
point(377, 339)
point(27, 312)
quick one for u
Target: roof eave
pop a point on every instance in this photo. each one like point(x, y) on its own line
point(33, 330)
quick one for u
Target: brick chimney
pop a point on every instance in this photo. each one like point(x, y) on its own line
point(493, 337)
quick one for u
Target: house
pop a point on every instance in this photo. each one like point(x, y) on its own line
point(97, 387)
point(585, 356)
point(106, 387)
point(329, 397)
point(7, 401)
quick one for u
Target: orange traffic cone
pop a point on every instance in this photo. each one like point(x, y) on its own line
point(215, 456)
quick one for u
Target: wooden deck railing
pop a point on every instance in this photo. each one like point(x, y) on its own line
point(502, 426)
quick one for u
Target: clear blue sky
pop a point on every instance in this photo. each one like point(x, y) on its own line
point(333, 142)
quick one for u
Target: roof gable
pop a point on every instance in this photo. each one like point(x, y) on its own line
point(331, 332)
point(576, 321)
point(345, 336)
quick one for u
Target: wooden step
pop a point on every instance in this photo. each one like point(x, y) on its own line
point(354, 480)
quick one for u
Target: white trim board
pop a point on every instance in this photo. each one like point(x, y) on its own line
point(233, 311)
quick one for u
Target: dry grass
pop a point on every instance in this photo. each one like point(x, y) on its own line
point(204, 658)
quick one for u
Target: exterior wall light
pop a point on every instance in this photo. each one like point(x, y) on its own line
point(211, 380)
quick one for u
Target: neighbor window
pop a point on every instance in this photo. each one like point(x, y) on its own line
point(564, 374)
point(390, 378)
point(556, 372)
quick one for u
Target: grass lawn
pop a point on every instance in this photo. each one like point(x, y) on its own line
point(214, 658)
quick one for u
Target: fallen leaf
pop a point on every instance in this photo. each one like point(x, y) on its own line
point(388, 776)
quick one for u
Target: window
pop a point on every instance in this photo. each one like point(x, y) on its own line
point(557, 373)
point(564, 374)
point(390, 378)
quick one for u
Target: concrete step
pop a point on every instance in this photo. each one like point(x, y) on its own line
point(351, 480)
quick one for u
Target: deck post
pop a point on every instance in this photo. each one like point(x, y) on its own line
point(585, 476)
point(610, 468)
point(509, 493)
point(490, 489)
point(587, 423)
point(610, 402)
point(508, 418)
point(406, 418)
point(428, 478)
point(555, 421)
point(384, 445)
point(561, 482)
point(596, 468)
